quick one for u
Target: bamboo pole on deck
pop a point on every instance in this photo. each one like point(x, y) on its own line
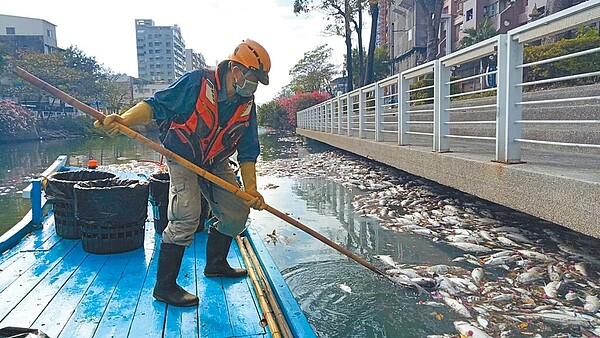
point(263, 298)
point(279, 316)
point(201, 172)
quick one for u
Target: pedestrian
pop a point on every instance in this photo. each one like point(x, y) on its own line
point(205, 116)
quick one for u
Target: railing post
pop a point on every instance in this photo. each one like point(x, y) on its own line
point(329, 121)
point(378, 117)
point(325, 115)
point(339, 120)
point(361, 113)
point(36, 202)
point(403, 108)
point(350, 109)
point(332, 123)
point(509, 95)
point(441, 103)
point(322, 118)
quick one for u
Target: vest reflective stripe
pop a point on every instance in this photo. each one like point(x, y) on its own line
point(203, 122)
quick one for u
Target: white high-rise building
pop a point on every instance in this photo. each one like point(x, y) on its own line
point(160, 52)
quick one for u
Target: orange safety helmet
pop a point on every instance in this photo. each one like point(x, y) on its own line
point(253, 56)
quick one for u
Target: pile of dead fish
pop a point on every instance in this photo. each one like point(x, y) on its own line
point(509, 281)
point(143, 169)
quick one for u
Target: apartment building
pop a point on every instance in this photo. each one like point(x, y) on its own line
point(194, 60)
point(407, 30)
point(160, 52)
point(28, 34)
point(407, 34)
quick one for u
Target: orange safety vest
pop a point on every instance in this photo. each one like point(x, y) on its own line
point(200, 139)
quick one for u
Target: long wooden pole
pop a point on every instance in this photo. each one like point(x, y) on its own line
point(191, 166)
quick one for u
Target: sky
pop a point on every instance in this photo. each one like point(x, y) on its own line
point(106, 30)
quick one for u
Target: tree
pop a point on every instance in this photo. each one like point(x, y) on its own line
point(342, 12)
point(380, 67)
point(374, 10)
point(484, 31)
point(434, 16)
point(298, 102)
point(314, 72)
point(358, 25)
point(3, 56)
point(273, 115)
point(71, 71)
point(114, 93)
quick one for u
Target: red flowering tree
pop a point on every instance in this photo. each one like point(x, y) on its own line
point(16, 122)
point(298, 102)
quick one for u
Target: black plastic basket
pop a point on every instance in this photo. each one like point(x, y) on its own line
point(112, 215)
point(159, 198)
point(59, 190)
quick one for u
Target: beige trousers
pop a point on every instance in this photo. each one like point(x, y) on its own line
point(184, 204)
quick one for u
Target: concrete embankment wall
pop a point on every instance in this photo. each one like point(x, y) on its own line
point(572, 203)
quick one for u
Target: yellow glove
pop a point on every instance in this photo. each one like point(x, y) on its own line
point(248, 170)
point(139, 114)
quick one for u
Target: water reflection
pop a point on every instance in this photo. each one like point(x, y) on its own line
point(315, 272)
point(20, 162)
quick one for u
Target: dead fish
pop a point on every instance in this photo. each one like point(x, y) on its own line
point(482, 321)
point(469, 330)
point(518, 237)
point(592, 304)
point(505, 241)
point(534, 255)
point(455, 305)
point(470, 247)
point(345, 288)
point(477, 275)
point(551, 289)
point(486, 235)
point(562, 319)
point(571, 296)
point(530, 275)
point(501, 298)
point(581, 267)
point(387, 259)
point(275, 238)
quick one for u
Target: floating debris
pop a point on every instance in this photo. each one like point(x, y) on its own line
point(510, 279)
point(345, 288)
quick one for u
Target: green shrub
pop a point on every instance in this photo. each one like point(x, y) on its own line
point(428, 92)
point(585, 39)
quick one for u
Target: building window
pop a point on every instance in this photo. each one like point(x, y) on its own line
point(10, 31)
point(49, 33)
point(470, 14)
point(491, 10)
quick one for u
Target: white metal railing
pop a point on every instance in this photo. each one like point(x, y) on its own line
point(421, 103)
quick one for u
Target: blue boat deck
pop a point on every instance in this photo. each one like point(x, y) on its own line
point(51, 284)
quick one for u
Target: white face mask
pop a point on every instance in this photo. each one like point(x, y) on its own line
point(249, 87)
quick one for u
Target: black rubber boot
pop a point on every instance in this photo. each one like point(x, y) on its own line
point(217, 248)
point(166, 288)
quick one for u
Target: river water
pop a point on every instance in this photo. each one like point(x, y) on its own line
point(340, 297)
